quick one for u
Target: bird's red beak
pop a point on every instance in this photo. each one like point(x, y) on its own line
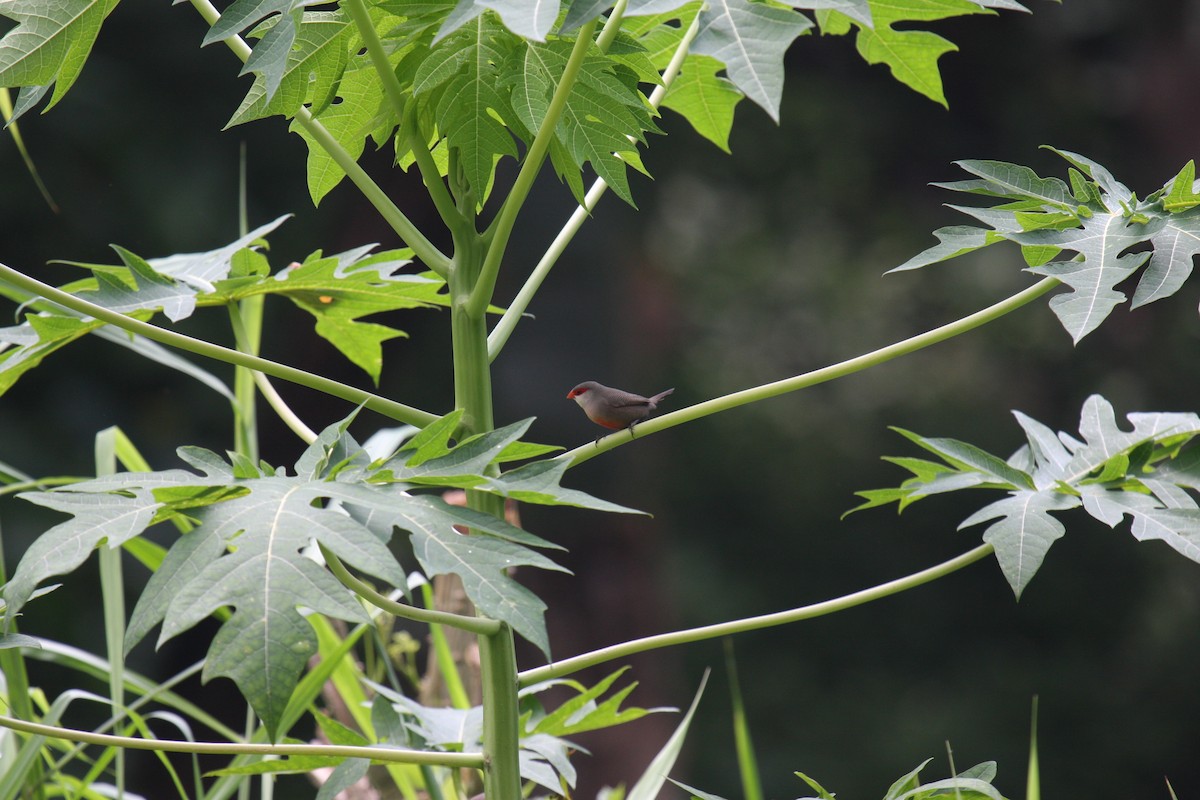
point(571, 395)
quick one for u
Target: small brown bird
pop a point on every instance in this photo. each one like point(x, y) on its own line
point(613, 408)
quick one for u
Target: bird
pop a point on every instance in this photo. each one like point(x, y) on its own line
point(613, 408)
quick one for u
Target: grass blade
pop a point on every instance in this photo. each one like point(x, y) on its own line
point(652, 780)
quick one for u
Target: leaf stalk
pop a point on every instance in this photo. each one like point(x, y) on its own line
point(502, 228)
point(387, 754)
point(438, 192)
point(480, 625)
point(516, 310)
point(381, 405)
point(817, 376)
point(603, 655)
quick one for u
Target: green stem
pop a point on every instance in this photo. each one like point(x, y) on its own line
point(395, 94)
point(424, 249)
point(387, 754)
point(246, 318)
point(382, 405)
point(577, 663)
point(433, 258)
point(245, 440)
point(17, 691)
point(259, 380)
point(840, 370)
point(501, 716)
point(112, 590)
point(481, 294)
point(612, 26)
point(365, 591)
point(497, 653)
point(508, 322)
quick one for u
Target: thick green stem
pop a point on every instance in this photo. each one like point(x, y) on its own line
point(497, 655)
point(389, 408)
point(112, 591)
point(501, 716)
point(246, 318)
point(840, 370)
point(577, 663)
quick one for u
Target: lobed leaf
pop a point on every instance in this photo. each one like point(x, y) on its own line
point(1023, 533)
point(1146, 474)
point(48, 46)
point(1111, 233)
point(253, 526)
point(911, 55)
point(1176, 244)
point(1101, 243)
point(705, 99)
point(295, 63)
point(750, 38)
point(582, 713)
point(953, 241)
point(1014, 180)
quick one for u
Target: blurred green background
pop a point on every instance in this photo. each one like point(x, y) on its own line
point(737, 270)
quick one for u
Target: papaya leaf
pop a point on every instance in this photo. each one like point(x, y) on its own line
point(1110, 232)
point(1023, 532)
point(544, 758)
point(295, 64)
point(460, 80)
point(911, 55)
point(253, 525)
point(1176, 244)
point(241, 14)
point(582, 712)
point(1148, 474)
point(750, 38)
point(1182, 195)
point(349, 120)
point(1101, 242)
point(48, 46)
point(339, 290)
point(705, 99)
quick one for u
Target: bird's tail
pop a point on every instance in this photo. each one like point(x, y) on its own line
point(658, 397)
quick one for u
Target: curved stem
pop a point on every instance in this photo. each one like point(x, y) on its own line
point(508, 323)
point(570, 665)
point(265, 387)
point(388, 754)
point(282, 409)
point(433, 258)
point(382, 405)
point(481, 293)
point(840, 370)
point(480, 625)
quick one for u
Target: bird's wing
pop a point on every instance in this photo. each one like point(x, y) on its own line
point(627, 400)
